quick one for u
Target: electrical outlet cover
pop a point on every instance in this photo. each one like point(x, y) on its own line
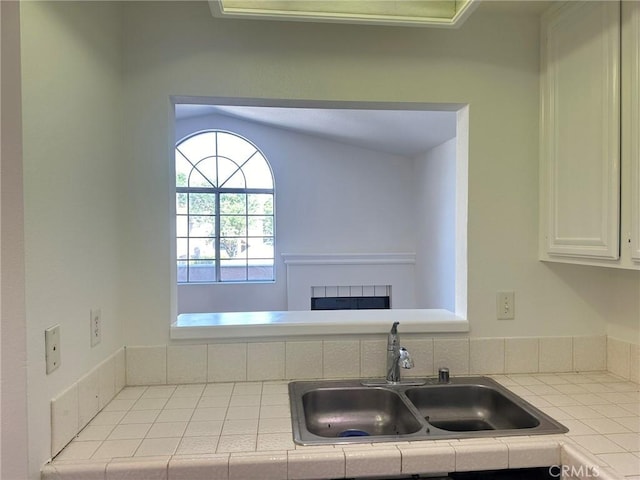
point(95, 326)
point(52, 348)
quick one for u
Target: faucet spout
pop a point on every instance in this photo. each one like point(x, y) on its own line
point(397, 356)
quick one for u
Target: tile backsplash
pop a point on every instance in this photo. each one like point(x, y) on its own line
point(72, 410)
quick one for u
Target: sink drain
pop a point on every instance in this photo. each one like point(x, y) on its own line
point(353, 432)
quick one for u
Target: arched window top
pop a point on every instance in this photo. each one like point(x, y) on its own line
point(221, 160)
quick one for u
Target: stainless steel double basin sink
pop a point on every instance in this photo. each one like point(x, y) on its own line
point(355, 411)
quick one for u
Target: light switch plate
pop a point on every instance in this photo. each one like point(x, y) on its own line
point(52, 348)
point(505, 305)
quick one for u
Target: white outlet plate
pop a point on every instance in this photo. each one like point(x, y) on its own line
point(52, 348)
point(506, 305)
point(95, 326)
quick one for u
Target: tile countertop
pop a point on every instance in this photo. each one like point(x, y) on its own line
point(243, 431)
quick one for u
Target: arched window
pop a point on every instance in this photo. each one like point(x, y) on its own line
point(224, 210)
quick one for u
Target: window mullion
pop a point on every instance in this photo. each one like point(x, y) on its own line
point(217, 239)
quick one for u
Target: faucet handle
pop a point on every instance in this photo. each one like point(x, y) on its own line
point(443, 375)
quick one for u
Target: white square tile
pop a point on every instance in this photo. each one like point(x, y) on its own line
point(121, 369)
point(94, 432)
point(227, 362)
point(310, 465)
point(186, 363)
point(139, 468)
point(181, 402)
point(618, 357)
point(247, 388)
point(275, 441)
point(140, 416)
point(341, 358)
point(271, 466)
point(88, 397)
point(530, 454)
point(597, 444)
point(191, 390)
point(605, 425)
point(108, 418)
point(146, 365)
point(117, 448)
point(303, 359)
point(421, 351)
point(629, 441)
point(175, 415)
point(373, 358)
point(129, 432)
point(265, 361)
point(275, 399)
point(218, 389)
point(167, 430)
point(208, 414)
point(236, 443)
point(197, 445)
point(107, 381)
point(486, 355)
point(217, 401)
point(131, 393)
point(452, 353)
point(274, 425)
point(428, 459)
point(241, 400)
point(240, 427)
point(556, 354)
point(204, 429)
point(64, 418)
point(590, 353)
point(624, 463)
point(521, 355)
point(151, 447)
point(78, 470)
point(481, 456)
point(275, 411)
point(199, 467)
point(79, 450)
point(148, 404)
point(159, 391)
point(239, 413)
point(372, 461)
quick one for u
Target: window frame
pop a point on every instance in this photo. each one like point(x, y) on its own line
point(217, 192)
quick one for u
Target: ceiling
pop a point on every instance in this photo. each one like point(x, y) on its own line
point(398, 132)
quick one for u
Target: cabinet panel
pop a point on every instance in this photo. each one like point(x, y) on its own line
point(634, 136)
point(580, 168)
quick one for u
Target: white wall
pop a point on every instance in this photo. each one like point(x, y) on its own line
point(491, 62)
point(13, 347)
point(435, 178)
point(73, 169)
point(330, 198)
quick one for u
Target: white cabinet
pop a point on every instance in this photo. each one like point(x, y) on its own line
point(589, 201)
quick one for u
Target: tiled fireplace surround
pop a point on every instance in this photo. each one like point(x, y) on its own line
point(352, 357)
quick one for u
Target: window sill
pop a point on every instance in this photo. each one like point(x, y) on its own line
point(242, 325)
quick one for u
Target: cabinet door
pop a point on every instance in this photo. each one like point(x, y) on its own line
point(634, 135)
point(580, 130)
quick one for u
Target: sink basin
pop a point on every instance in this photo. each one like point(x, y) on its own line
point(347, 411)
point(463, 408)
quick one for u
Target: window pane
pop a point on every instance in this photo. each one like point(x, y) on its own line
point(233, 247)
point(202, 203)
point(260, 203)
point(182, 271)
point(182, 226)
point(233, 203)
point(202, 271)
point(183, 168)
point(226, 168)
point(182, 248)
point(202, 248)
point(262, 271)
point(181, 203)
point(202, 226)
point(207, 171)
point(259, 226)
point(233, 146)
point(258, 173)
point(198, 147)
point(233, 270)
point(235, 181)
point(260, 248)
point(233, 226)
point(197, 180)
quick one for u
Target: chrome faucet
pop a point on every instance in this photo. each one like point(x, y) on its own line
point(397, 356)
